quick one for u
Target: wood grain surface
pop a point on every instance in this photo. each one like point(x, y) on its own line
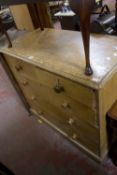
point(43, 60)
point(61, 52)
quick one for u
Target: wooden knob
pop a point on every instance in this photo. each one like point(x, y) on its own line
point(65, 105)
point(18, 67)
point(71, 121)
point(40, 112)
point(40, 121)
point(74, 136)
point(25, 82)
point(33, 98)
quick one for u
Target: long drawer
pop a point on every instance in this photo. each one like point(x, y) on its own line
point(71, 89)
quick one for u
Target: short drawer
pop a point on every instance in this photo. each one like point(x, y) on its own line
point(19, 67)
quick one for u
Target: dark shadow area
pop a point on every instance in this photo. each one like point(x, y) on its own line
point(4, 170)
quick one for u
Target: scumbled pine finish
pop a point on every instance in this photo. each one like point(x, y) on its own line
point(48, 67)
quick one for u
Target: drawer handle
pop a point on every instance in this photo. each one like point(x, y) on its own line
point(18, 67)
point(74, 136)
point(65, 105)
point(25, 83)
point(40, 113)
point(33, 98)
point(40, 121)
point(58, 88)
point(71, 121)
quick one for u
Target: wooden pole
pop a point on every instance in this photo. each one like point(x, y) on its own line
point(32, 16)
point(44, 14)
point(83, 8)
point(2, 28)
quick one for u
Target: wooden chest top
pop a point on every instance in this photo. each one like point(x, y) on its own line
point(61, 52)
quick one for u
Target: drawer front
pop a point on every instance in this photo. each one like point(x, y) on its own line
point(71, 89)
point(19, 67)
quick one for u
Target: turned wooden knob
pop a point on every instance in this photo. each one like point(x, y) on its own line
point(65, 105)
point(40, 113)
point(83, 8)
point(25, 83)
point(74, 136)
point(40, 121)
point(18, 67)
point(71, 121)
point(33, 98)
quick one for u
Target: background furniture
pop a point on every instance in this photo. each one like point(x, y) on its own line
point(68, 20)
point(31, 16)
point(4, 170)
point(3, 30)
point(112, 132)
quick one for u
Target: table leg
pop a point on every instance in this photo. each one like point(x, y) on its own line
point(83, 8)
point(5, 32)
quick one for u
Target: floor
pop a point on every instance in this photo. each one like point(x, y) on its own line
point(28, 147)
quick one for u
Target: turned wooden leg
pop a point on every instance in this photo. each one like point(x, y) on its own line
point(85, 28)
point(33, 10)
point(39, 18)
point(83, 9)
point(8, 38)
point(5, 32)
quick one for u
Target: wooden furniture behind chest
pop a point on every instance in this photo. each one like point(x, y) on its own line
point(45, 68)
point(31, 16)
point(3, 30)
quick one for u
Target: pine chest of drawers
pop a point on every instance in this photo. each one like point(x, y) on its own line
point(48, 69)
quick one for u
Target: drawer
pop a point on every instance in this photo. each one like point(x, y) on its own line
point(80, 93)
point(19, 67)
point(71, 89)
point(63, 103)
point(85, 135)
point(72, 122)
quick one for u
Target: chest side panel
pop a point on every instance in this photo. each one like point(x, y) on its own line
point(107, 97)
